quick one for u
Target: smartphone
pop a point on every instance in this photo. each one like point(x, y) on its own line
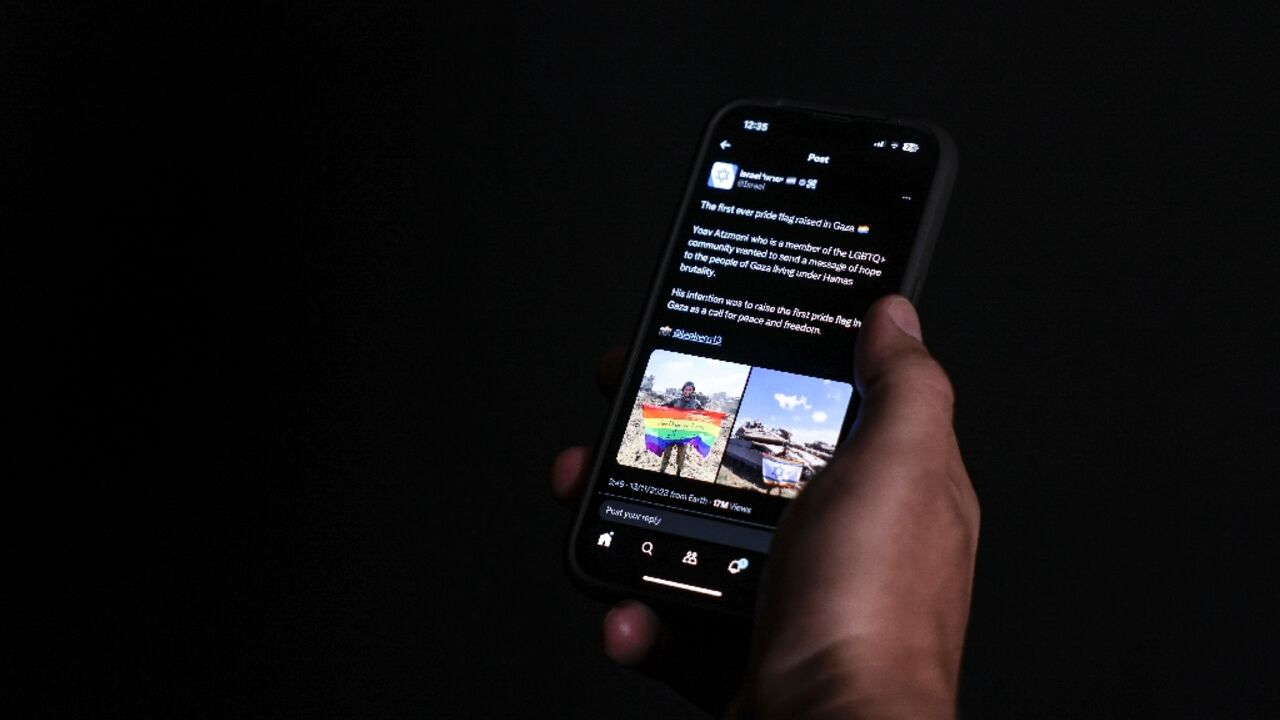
point(738, 386)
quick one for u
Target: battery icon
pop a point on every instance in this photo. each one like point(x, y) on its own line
point(910, 147)
point(789, 181)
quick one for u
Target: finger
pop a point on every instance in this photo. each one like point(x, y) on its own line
point(906, 393)
point(609, 371)
point(701, 657)
point(569, 474)
point(630, 633)
point(908, 401)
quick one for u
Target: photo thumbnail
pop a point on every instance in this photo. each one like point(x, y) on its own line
point(683, 411)
point(787, 429)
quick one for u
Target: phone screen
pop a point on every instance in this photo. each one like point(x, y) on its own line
point(740, 385)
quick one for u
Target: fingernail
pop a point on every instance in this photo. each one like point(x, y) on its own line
point(904, 316)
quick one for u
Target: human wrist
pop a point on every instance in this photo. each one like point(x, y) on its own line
point(839, 682)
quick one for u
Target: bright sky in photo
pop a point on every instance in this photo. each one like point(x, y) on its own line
point(811, 408)
point(671, 370)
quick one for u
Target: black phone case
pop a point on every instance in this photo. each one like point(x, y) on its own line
point(912, 284)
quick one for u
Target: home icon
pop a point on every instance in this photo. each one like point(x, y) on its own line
point(605, 539)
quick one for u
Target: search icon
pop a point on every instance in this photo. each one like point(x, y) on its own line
point(647, 548)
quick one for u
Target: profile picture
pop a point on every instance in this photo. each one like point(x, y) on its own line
point(722, 176)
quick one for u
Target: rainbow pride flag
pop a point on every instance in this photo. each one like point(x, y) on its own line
point(666, 426)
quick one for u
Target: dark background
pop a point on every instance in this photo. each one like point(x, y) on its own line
point(301, 302)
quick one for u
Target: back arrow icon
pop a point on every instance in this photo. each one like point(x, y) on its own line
point(724, 145)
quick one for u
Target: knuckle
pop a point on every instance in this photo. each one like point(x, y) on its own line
point(923, 377)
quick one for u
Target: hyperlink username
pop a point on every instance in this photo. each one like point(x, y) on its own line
point(697, 337)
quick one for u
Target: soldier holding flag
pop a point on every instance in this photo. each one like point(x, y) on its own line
point(686, 401)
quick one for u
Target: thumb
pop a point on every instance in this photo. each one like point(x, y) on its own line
point(906, 393)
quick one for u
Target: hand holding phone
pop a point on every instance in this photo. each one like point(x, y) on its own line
point(736, 417)
point(868, 589)
point(739, 384)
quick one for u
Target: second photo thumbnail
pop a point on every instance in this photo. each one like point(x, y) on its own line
point(787, 430)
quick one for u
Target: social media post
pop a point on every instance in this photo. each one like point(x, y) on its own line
point(777, 255)
point(786, 431)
